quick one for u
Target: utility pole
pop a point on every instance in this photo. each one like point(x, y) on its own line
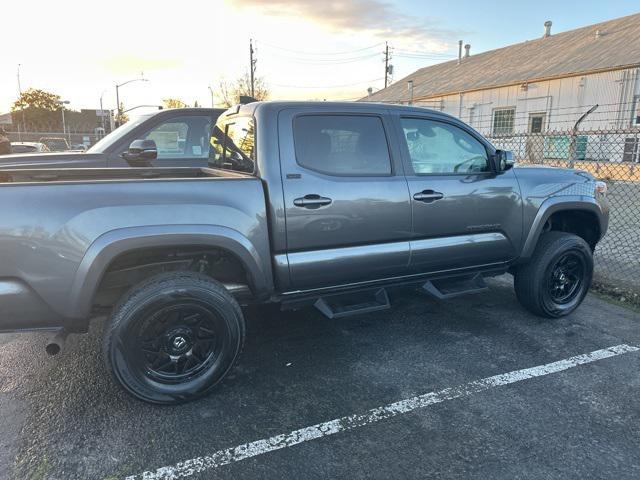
point(24, 126)
point(252, 68)
point(388, 68)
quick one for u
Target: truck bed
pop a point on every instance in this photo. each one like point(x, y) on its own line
point(56, 223)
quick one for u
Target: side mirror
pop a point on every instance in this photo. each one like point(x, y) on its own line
point(142, 150)
point(505, 159)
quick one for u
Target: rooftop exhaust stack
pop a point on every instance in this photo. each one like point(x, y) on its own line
point(459, 51)
point(547, 29)
point(467, 49)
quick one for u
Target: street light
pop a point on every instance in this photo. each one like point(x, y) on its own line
point(102, 112)
point(211, 90)
point(62, 103)
point(118, 85)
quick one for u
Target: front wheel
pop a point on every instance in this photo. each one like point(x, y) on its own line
point(173, 338)
point(557, 277)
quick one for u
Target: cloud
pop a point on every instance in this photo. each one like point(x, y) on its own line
point(375, 17)
point(123, 64)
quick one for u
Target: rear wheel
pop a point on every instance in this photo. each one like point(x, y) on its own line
point(556, 279)
point(173, 338)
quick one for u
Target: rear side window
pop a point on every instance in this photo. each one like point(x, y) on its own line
point(342, 144)
point(234, 144)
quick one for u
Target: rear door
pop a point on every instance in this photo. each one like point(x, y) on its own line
point(465, 213)
point(347, 210)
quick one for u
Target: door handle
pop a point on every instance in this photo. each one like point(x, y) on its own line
point(427, 196)
point(312, 201)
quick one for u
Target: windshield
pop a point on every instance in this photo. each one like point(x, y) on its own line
point(102, 145)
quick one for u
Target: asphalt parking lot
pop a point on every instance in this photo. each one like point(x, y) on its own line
point(562, 400)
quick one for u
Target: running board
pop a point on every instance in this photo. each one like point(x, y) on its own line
point(347, 304)
point(445, 288)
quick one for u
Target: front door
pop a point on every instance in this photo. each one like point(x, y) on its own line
point(465, 214)
point(348, 216)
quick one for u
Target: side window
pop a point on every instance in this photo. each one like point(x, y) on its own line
point(233, 145)
point(441, 148)
point(342, 144)
point(182, 137)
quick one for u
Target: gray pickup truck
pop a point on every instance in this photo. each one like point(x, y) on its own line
point(325, 204)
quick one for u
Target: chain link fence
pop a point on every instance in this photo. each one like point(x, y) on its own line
point(612, 156)
point(85, 138)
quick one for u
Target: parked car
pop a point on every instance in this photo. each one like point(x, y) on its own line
point(78, 147)
point(325, 204)
point(28, 147)
point(182, 136)
point(56, 144)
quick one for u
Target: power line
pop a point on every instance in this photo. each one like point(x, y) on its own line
point(415, 52)
point(326, 86)
point(324, 61)
point(321, 53)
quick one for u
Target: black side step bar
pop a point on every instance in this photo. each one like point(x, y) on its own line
point(445, 288)
point(347, 304)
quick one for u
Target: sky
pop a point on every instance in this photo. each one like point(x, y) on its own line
point(305, 49)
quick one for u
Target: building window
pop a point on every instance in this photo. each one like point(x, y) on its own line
point(536, 122)
point(503, 121)
point(636, 111)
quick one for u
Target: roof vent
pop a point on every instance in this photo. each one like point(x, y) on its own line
point(547, 29)
point(598, 33)
point(467, 51)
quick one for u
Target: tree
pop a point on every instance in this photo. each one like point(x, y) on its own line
point(229, 94)
point(121, 117)
point(37, 110)
point(174, 103)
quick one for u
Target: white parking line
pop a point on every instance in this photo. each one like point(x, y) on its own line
point(350, 422)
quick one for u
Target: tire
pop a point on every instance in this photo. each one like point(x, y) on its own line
point(557, 277)
point(173, 337)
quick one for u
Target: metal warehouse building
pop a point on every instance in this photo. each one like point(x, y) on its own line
point(543, 86)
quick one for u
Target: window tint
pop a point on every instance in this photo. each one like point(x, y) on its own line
point(437, 147)
point(342, 144)
point(234, 143)
point(182, 137)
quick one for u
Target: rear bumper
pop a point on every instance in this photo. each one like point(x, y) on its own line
point(22, 309)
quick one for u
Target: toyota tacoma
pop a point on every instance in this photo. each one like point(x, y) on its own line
point(319, 203)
